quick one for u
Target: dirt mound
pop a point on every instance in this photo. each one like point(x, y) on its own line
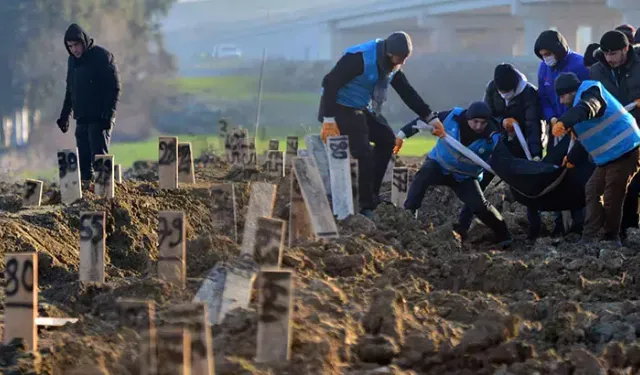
point(392, 295)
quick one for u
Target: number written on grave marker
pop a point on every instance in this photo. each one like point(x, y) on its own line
point(292, 145)
point(92, 246)
point(339, 147)
point(92, 227)
point(274, 145)
point(167, 152)
point(21, 298)
point(274, 316)
point(184, 165)
point(67, 163)
point(269, 242)
point(30, 189)
point(272, 292)
point(166, 231)
point(103, 168)
point(400, 179)
point(171, 247)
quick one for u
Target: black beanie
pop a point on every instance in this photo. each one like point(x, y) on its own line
point(589, 59)
point(566, 82)
point(478, 110)
point(613, 40)
point(506, 77)
point(627, 30)
point(398, 44)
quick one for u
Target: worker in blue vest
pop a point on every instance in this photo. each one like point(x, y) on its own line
point(352, 96)
point(473, 128)
point(610, 134)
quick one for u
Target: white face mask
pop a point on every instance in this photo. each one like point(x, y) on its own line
point(507, 95)
point(550, 60)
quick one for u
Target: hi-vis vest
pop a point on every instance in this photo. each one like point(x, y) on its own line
point(358, 92)
point(610, 136)
point(453, 162)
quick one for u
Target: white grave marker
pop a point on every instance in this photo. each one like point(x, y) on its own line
point(167, 162)
point(104, 182)
point(340, 172)
point(92, 246)
point(69, 173)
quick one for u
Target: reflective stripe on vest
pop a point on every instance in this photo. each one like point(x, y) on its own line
point(450, 160)
point(608, 137)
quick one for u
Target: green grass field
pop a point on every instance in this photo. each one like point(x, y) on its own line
point(126, 153)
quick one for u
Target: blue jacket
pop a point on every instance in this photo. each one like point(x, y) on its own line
point(607, 137)
point(549, 102)
point(451, 161)
point(368, 86)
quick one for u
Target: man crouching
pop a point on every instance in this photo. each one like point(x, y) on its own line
point(446, 166)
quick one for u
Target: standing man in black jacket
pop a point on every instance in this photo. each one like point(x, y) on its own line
point(93, 92)
point(352, 96)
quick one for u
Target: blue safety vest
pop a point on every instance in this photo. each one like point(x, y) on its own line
point(359, 91)
point(610, 136)
point(453, 162)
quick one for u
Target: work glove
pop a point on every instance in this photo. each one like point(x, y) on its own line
point(507, 124)
point(398, 145)
point(329, 129)
point(558, 129)
point(566, 163)
point(437, 128)
point(63, 125)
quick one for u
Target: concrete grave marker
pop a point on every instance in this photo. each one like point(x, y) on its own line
point(261, 203)
point(227, 286)
point(193, 316)
point(302, 152)
point(291, 151)
point(235, 146)
point(273, 165)
point(318, 150)
point(186, 173)
point(400, 186)
point(167, 162)
point(274, 145)
point(173, 346)
point(117, 173)
point(21, 298)
point(104, 182)
point(140, 316)
point(69, 173)
point(275, 308)
point(223, 210)
point(340, 173)
point(250, 160)
point(32, 193)
point(92, 246)
point(299, 222)
point(172, 248)
point(269, 243)
point(322, 222)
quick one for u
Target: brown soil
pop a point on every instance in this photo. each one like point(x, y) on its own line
point(391, 296)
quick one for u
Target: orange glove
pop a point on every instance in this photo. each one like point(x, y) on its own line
point(397, 146)
point(507, 124)
point(637, 103)
point(558, 129)
point(438, 128)
point(566, 163)
point(329, 129)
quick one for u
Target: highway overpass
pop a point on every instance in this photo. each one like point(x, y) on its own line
point(501, 27)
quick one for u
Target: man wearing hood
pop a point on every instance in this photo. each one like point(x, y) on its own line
point(352, 96)
point(92, 94)
point(557, 57)
point(475, 129)
point(512, 99)
point(618, 70)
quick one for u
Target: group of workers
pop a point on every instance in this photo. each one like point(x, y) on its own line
point(579, 102)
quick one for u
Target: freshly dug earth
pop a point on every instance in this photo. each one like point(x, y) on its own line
point(393, 295)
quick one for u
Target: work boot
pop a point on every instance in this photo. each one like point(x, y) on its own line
point(607, 237)
point(503, 240)
point(87, 185)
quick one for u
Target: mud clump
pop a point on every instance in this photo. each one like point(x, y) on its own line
point(393, 295)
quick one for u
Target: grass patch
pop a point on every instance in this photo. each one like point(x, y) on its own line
point(126, 153)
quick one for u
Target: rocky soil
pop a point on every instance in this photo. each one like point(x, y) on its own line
point(392, 295)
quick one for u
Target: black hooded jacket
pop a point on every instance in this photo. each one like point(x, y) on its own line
point(93, 82)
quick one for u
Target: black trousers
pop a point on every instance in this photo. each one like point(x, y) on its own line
point(91, 139)
point(364, 128)
point(468, 191)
